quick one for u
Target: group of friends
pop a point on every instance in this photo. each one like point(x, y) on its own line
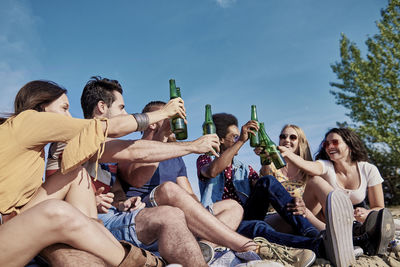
point(128, 200)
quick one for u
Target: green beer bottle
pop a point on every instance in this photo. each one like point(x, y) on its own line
point(254, 140)
point(264, 159)
point(178, 126)
point(273, 152)
point(208, 125)
point(181, 135)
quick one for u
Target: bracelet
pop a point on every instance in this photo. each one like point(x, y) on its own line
point(142, 120)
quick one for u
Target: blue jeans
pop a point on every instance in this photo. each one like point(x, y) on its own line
point(122, 226)
point(256, 228)
point(267, 191)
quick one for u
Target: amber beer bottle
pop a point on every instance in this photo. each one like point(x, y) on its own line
point(254, 140)
point(264, 159)
point(273, 152)
point(208, 125)
point(181, 135)
point(178, 126)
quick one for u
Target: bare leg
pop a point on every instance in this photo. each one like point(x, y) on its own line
point(175, 242)
point(51, 222)
point(317, 189)
point(202, 223)
point(229, 212)
point(73, 187)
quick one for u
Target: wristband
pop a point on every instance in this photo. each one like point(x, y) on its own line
point(142, 120)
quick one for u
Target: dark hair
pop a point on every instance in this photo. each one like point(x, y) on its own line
point(357, 149)
point(151, 104)
point(222, 122)
point(98, 89)
point(35, 95)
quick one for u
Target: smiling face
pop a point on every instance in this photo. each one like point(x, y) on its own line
point(59, 106)
point(336, 148)
point(290, 139)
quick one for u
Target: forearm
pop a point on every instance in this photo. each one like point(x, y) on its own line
point(144, 151)
point(120, 125)
point(312, 168)
point(375, 197)
point(124, 124)
point(224, 160)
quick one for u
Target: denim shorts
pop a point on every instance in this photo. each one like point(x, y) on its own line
point(122, 226)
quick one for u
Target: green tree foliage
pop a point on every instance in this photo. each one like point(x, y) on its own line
point(370, 89)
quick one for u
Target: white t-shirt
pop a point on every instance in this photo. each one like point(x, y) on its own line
point(369, 174)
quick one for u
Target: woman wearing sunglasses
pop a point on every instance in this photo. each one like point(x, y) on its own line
point(342, 164)
point(291, 177)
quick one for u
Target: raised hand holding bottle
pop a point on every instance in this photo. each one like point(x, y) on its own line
point(271, 148)
point(208, 125)
point(254, 140)
point(178, 126)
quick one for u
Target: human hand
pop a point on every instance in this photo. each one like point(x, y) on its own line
point(298, 207)
point(250, 127)
point(103, 201)
point(360, 214)
point(285, 152)
point(258, 150)
point(175, 107)
point(207, 143)
point(131, 204)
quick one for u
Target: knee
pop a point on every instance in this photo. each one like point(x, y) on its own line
point(265, 182)
point(169, 191)
point(234, 207)
point(61, 216)
point(315, 182)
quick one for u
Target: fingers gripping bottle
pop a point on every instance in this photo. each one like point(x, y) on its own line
point(264, 159)
point(178, 126)
point(273, 152)
point(181, 135)
point(208, 125)
point(254, 140)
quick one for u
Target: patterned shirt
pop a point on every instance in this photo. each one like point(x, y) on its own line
point(294, 187)
point(229, 189)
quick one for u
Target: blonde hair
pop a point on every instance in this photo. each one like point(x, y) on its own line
point(304, 148)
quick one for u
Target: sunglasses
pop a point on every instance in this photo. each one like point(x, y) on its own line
point(292, 137)
point(326, 144)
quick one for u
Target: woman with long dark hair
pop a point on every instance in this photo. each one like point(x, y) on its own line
point(342, 164)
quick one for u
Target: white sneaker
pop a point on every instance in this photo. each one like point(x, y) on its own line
point(338, 240)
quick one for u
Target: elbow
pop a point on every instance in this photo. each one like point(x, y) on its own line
point(212, 174)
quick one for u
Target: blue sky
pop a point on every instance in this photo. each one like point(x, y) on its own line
point(227, 53)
